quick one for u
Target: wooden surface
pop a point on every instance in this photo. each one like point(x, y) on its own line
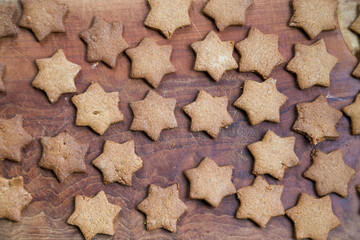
point(53, 203)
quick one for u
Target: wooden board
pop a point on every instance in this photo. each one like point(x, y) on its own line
point(45, 217)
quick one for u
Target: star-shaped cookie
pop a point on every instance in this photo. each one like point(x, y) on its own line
point(210, 182)
point(227, 12)
point(2, 71)
point(162, 207)
point(330, 173)
point(56, 75)
point(63, 155)
point(118, 162)
point(13, 138)
point(214, 56)
point(261, 101)
point(260, 202)
point(313, 218)
point(43, 17)
point(94, 215)
point(356, 72)
point(314, 16)
point(150, 61)
point(168, 15)
point(273, 155)
point(153, 114)
point(7, 26)
point(353, 111)
point(13, 198)
point(355, 26)
point(97, 108)
point(104, 41)
point(259, 53)
point(317, 120)
point(208, 114)
point(312, 65)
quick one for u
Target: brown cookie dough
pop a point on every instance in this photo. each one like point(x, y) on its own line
point(356, 72)
point(355, 26)
point(353, 111)
point(7, 26)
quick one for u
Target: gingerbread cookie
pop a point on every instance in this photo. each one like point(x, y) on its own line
point(2, 71)
point(353, 111)
point(355, 26)
point(7, 26)
point(356, 72)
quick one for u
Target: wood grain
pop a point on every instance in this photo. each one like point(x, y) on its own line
point(45, 217)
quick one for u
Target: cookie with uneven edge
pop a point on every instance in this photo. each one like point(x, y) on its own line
point(356, 72)
point(163, 207)
point(355, 26)
point(210, 182)
point(97, 109)
point(168, 15)
point(7, 26)
point(353, 111)
point(43, 17)
point(56, 76)
point(150, 61)
point(104, 41)
point(94, 215)
point(214, 56)
point(261, 101)
point(317, 120)
point(313, 217)
point(260, 202)
point(273, 155)
point(227, 12)
point(208, 114)
point(118, 162)
point(2, 72)
point(153, 114)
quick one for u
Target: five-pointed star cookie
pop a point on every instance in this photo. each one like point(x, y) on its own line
point(43, 17)
point(261, 101)
point(13, 138)
point(227, 12)
point(355, 26)
point(118, 162)
point(104, 41)
point(153, 114)
point(312, 65)
point(260, 202)
point(168, 15)
point(273, 155)
point(210, 182)
point(162, 207)
point(259, 53)
point(97, 108)
point(94, 215)
point(13, 198)
point(356, 72)
point(317, 120)
point(313, 218)
point(353, 111)
point(208, 114)
point(2, 71)
point(214, 56)
point(330, 173)
point(314, 16)
point(150, 61)
point(63, 155)
point(56, 75)
point(7, 26)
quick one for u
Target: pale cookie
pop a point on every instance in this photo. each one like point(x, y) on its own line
point(2, 72)
point(355, 26)
point(353, 111)
point(7, 26)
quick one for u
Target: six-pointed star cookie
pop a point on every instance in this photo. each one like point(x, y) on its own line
point(313, 218)
point(273, 155)
point(94, 215)
point(150, 61)
point(56, 75)
point(2, 71)
point(168, 15)
point(208, 114)
point(353, 111)
point(13, 138)
point(97, 108)
point(330, 173)
point(7, 26)
point(13, 198)
point(210, 182)
point(63, 155)
point(43, 17)
point(214, 56)
point(104, 41)
point(259, 53)
point(118, 162)
point(317, 120)
point(260, 202)
point(261, 101)
point(162, 207)
point(227, 12)
point(153, 114)
point(314, 16)
point(355, 26)
point(312, 65)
